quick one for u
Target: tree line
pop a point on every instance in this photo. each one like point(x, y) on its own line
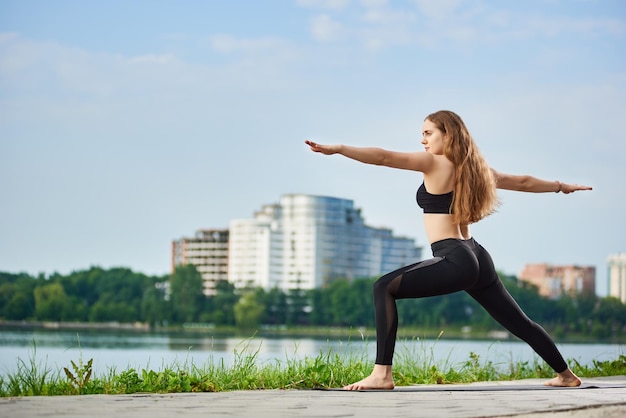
point(121, 295)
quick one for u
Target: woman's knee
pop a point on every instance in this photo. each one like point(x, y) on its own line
point(380, 286)
point(386, 285)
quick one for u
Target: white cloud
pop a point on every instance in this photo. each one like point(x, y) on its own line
point(36, 70)
point(158, 59)
point(374, 3)
point(438, 9)
point(324, 28)
point(389, 17)
point(505, 24)
point(324, 4)
point(379, 24)
point(7, 36)
point(60, 84)
point(540, 25)
point(228, 43)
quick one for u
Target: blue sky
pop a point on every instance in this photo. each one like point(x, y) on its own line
point(124, 125)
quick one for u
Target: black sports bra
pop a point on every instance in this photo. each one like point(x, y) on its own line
point(434, 203)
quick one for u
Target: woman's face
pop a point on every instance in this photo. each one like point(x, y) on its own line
point(432, 138)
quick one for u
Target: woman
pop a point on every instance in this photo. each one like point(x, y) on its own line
point(459, 188)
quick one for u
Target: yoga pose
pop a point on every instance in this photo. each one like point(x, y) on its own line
point(459, 189)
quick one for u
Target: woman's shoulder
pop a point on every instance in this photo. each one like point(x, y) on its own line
point(442, 166)
point(440, 179)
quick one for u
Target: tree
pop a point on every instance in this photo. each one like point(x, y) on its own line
point(223, 303)
point(154, 308)
point(349, 305)
point(16, 296)
point(19, 307)
point(102, 311)
point(50, 302)
point(611, 313)
point(275, 302)
point(186, 293)
point(298, 306)
point(248, 310)
point(320, 315)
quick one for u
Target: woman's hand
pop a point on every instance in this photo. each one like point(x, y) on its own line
point(324, 149)
point(571, 188)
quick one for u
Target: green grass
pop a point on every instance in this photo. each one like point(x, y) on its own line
point(415, 365)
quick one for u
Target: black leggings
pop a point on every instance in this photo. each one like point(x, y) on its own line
point(456, 265)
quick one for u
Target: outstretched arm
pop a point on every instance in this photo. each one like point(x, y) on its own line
point(532, 184)
point(417, 161)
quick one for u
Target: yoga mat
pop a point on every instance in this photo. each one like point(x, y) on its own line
point(482, 388)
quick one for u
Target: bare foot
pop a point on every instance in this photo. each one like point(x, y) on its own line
point(380, 379)
point(565, 379)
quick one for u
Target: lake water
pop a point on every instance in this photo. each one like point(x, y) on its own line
point(123, 350)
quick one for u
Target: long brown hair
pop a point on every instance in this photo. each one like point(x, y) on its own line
point(474, 189)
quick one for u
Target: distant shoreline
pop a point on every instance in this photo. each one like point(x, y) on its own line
point(281, 331)
point(52, 325)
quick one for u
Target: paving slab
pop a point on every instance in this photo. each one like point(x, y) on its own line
point(599, 397)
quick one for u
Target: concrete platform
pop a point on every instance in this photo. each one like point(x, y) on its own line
point(600, 397)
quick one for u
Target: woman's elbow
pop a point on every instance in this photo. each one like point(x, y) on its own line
point(525, 183)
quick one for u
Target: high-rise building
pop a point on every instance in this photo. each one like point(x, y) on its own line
point(555, 281)
point(617, 276)
point(255, 249)
point(208, 251)
point(307, 241)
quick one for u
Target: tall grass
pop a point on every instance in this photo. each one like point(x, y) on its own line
point(414, 364)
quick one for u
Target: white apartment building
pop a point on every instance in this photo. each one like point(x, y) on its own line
point(617, 276)
point(307, 241)
point(208, 251)
point(255, 249)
